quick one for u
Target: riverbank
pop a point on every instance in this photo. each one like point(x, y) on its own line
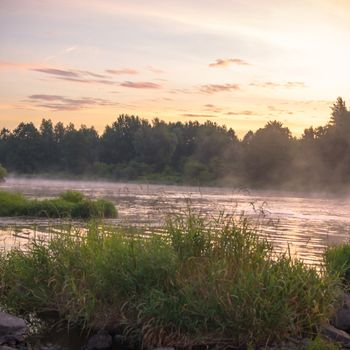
point(201, 283)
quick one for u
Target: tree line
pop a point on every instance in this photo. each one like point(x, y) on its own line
point(135, 149)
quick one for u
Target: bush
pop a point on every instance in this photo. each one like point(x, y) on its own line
point(69, 204)
point(201, 282)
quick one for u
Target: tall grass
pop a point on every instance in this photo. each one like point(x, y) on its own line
point(337, 260)
point(202, 282)
point(68, 204)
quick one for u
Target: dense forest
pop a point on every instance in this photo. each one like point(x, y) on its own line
point(135, 149)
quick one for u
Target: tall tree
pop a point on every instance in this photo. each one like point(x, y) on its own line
point(268, 155)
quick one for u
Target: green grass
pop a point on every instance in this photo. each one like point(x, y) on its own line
point(69, 204)
point(337, 260)
point(319, 343)
point(202, 282)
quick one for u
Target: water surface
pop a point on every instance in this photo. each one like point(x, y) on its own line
point(304, 224)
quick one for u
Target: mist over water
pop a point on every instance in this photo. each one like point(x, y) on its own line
point(304, 224)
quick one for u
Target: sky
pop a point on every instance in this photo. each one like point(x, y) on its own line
point(235, 62)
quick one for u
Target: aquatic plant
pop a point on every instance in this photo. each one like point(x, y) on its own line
point(200, 282)
point(69, 204)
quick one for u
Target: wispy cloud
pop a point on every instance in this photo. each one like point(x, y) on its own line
point(225, 62)
point(194, 115)
point(62, 103)
point(273, 85)
point(240, 113)
point(92, 74)
point(89, 81)
point(141, 85)
point(214, 88)
point(77, 76)
point(180, 91)
point(62, 52)
point(59, 72)
point(212, 108)
point(278, 111)
point(122, 71)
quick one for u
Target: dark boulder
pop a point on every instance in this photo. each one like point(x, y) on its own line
point(50, 347)
point(341, 319)
point(5, 347)
point(12, 325)
point(336, 335)
point(100, 341)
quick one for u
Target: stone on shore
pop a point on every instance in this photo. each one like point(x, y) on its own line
point(12, 325)
point(5, 347)
point(100, 341)
point(346, 301)
point(341, 319)
point(336, 335)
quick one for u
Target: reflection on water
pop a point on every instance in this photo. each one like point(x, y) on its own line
point(303, 224)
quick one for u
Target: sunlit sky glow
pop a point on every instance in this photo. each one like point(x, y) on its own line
point(238, 62)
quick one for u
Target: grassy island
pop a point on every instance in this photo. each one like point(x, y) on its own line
point(200, 283)
point(70, 204)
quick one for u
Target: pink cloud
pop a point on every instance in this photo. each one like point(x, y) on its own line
point(224, 62)
point(213, 88)
point(240, 113)
point(59, 72)
point(273, 85)
point(123, 71)
point(193, 115)
point(62, 103)
point(212, 108)
point(141, 85)
point(76, 76)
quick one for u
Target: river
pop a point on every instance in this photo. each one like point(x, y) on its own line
point(304, 224)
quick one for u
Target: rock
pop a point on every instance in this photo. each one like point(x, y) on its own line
point(119, 340)
point(295, 344)
point(5, 347)
point(22, 346)
point(341, 319)
point(336, 335)
point(346, 301)
point(50, 347)
point(12, 325)
point(99, 341)
point(166, 348)
point(9, 340)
